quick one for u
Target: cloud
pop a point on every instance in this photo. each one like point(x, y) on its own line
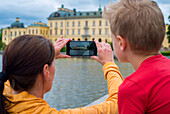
point(166, 11)
point(30, 11)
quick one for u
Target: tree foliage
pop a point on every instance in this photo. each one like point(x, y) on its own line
point(168, 32)
point(2, 44)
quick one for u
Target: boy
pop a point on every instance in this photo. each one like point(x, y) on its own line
point(137, 31)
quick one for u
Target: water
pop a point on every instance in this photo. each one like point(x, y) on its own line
point(78, 82)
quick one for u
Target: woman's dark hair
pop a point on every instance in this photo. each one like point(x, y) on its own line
point(23, 59)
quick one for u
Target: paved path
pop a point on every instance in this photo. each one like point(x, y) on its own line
point(100, 100)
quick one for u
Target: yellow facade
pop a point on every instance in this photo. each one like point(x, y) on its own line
point(38, 28)
point(165, 43)
point(77, 29)
point(8, 34)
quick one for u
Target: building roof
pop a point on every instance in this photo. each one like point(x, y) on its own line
point(17, 24)
point(38, 24)
point(67, 13)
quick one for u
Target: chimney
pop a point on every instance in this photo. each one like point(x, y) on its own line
point(62, 6)
point(74, 10)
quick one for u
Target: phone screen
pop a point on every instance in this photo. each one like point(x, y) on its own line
point(81, 48)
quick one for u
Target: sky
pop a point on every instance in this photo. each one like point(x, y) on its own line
point(30, 11)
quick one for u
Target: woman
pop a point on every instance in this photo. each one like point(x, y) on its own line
point(28, 64)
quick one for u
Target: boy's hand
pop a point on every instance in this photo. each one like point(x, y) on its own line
point(105, 53)
point(58, 45)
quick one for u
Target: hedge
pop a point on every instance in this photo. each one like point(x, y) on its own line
point(165, 53)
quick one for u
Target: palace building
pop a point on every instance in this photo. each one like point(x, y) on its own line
point(17, 28)
point(78, 25)
point(82, 26)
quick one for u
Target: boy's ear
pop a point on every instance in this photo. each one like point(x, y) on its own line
point(122, 42)
point(46, 71)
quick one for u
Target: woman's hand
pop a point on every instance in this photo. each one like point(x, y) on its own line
point(105, 53)
point(58, 45)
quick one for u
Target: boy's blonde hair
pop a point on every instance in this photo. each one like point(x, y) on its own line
point(141, 22)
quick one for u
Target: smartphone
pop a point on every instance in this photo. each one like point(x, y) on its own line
point(81, 48)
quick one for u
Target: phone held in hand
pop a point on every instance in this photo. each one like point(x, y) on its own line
point(81, 48)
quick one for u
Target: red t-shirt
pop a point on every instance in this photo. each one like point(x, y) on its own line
point(148, 89)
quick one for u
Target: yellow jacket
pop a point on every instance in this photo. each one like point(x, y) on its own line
point(27, 103)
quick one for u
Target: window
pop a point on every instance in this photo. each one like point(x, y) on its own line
point(79, 23)
point(106, 23)
point(37, 31)
point(78, 31)
point(55, 32)
point(11, 33)
point(67, 24)
point(106, 31)
point(86, 32)
point(85, 39)
point(19, 32)
point(56, 24)
point(5, 32)
point(93, 31)
point(46, 32)
point(100, 40)
point(78, 39)
point(100, 23)
point(50, 32)
point(15, 33)
point(32, 31)
point(51, 24)
point(100, 31)
point(73, 32)
point(61, 24)
point(73, 39)
point(61, 31)
point(24, 32)
point(93, 23)
point(29, 31)
point(73, 23)
point(106, 40)
point(67, 31)
point(86, 24)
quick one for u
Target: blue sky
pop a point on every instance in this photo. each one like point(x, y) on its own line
point(30, 11)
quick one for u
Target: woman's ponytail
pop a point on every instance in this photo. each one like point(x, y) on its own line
point(3, 78)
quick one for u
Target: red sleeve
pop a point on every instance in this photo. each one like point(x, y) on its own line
point(131, 98)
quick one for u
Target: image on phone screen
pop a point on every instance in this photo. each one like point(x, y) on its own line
point(81, 48)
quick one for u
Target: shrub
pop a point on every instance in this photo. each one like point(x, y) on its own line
point(110, 44)
point(63, 49)
point(166, 53)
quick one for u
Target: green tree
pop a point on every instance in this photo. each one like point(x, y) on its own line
point(2, 44)
point(168, 32)
point(1, 35)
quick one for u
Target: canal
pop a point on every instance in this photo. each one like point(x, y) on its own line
point(78, 82)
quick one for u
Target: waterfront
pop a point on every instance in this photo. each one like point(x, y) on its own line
point(78, 82)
